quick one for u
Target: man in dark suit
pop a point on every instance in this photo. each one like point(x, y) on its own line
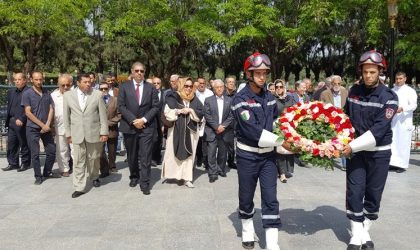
point(16, 123)
point(218, 130)
point(138, 103)
point(157, 143)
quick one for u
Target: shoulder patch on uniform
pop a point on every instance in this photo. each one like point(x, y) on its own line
point(389, 112)
point(245, 115)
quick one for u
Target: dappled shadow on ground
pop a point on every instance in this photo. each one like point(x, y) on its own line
point(415, 162)
point(300, 221)
point(113, 177)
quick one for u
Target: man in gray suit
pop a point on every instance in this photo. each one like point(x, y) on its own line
point(218, 130)
point(86, 125)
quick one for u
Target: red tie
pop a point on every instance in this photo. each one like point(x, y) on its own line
point(138, 93)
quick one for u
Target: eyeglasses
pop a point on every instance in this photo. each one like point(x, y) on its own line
point(139, 70)
point(372, 55)
point(188, 86)
point(256, 61)
point(280, 86)
point(102, 89)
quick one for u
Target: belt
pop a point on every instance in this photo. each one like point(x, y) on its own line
point(380, 148)
point(254, 149)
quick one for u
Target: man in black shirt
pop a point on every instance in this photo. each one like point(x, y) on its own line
point(16, 123)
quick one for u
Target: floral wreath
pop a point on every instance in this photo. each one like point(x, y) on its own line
point(328, 126)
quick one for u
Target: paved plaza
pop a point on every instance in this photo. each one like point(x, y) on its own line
point(116, 216)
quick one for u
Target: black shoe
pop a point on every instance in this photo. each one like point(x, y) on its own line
point(353, 247)
point(38, 181)
point(213, 179)
point(400, 170)
point(146, 191)
point(233, 165)
point(223, 174)
point(368, 245)
point(76, 194)
point(121, 153)
point(133, 183)
point(10, 167)
point(248, 244)
point(23, 168)
point(153, 164)
point(103, 175)
point(289, 175)
point(96, 183)
point(52, 175)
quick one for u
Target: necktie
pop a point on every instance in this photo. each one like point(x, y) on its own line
point(138, 93)
point(83, 101)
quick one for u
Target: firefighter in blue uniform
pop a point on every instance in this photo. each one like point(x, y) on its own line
point(371, 106)
point(254, 110)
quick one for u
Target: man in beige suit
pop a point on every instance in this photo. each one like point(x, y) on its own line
point(86, 124)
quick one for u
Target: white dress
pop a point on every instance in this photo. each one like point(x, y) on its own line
point(402, 126)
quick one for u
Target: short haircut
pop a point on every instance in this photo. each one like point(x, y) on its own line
point(19, 73)
point(65, 76)
point(174, 77)
point(81, 75)
point(138, 64)
point(218, 81)
point(91, 73)
point(37, 71)
point(400, 73)
point(335, 77)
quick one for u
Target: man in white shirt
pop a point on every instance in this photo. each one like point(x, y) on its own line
point(202, 93)
point(402, 124)
point(62, 147)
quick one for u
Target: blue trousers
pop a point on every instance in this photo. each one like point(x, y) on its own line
point(33, 136)
point(16, 139)
point(367, 172)
point(251, 167)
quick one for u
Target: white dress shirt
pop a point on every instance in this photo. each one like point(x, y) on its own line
point(82, 97)
point(220, 107)
point(58, 99)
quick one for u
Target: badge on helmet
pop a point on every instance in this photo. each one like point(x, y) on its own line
point(257, 61)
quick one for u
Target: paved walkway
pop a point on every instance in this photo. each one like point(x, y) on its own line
point(116, 216)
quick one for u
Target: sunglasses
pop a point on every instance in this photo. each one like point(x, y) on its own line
point(280, 86)
point(139, 70)
point(371, 55)
point(256, 61)
point(102, 89)
point(188, 86)
point(65, 85)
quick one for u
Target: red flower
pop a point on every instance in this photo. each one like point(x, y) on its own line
point(315, 152)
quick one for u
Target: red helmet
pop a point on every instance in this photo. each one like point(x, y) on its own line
point(257, 61)
point(373, 57)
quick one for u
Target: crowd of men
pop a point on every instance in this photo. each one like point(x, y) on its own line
point(80, 126)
